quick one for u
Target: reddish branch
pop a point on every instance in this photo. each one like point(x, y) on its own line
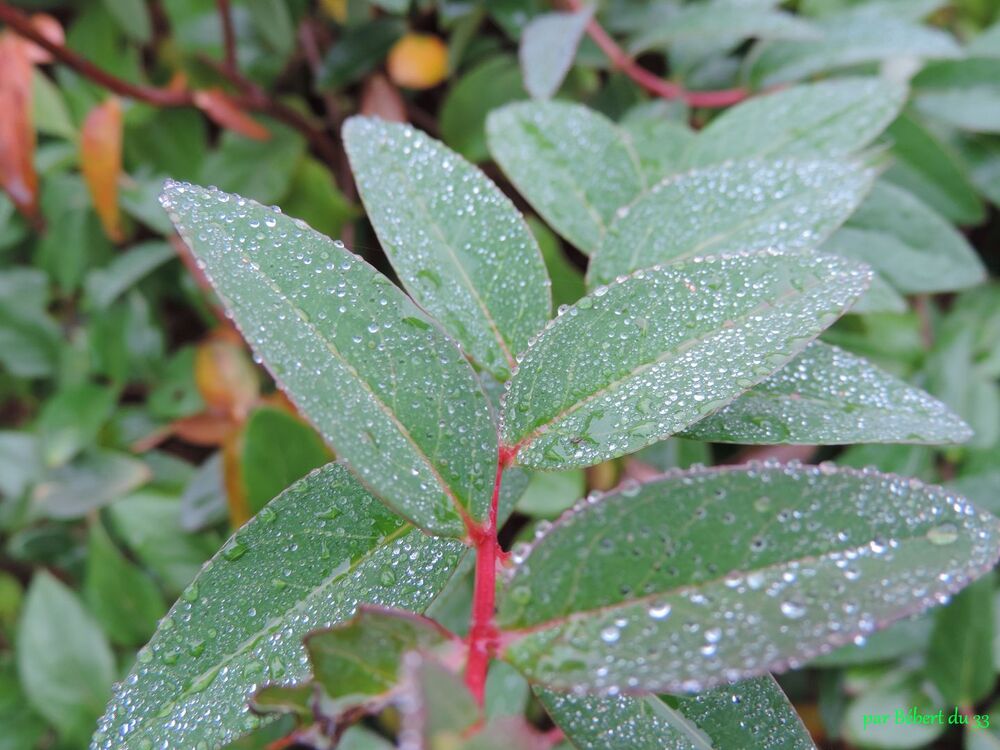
point(651, 82)
point(252, 98)
point(228, 35)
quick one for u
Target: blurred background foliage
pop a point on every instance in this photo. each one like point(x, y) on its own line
point(136, 429)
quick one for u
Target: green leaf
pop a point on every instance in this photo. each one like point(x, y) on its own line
point(370, 369)
point(909, 636)
point(571, 163)
point(720, 574)
point(132, 17)
point(278, 449)
point(122, 597)
point(48, 108)
point(273, 21)
point(457, 243)
point(362, 658)
point(567, 279)
point(315, 198)
point(750, 714)
point(960, 655)
point(642, 359)
point(962, 93)
point(74, 240)
point(261, 170)
point(93, 479)
point(548, 46)
point(358, 52)
point(660, 145)
point(826, 119)
point(722, 22)
point(104, 285)
point(987, 43)
point(22, 727)
point(30, 340)
point(149, 524)
point(743, 205)
point(550, 493)
point(489, 85)
point(929, 169)
point(850, 39)
point(507, 692)
point(65, 663)
point(908, 244)
point(828, 396)
point(71, 419)
point(981, 155)
point(871, 717)
point(306, 561)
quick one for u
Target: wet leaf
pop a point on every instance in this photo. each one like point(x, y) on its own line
point(754, 713)
point(457, 243)
point(829, 396)
point(571, 163)
point(906, 242)
point(101, 163)
point(306, 561)
point(713, 575)
point(742, 205)
point(370, 369)
point(56, 631)
point(826, 119)
point(17, 133)
point(223, 111)
point(636, 361)
point(660, 144)
point(548, 46)
point(848, 40)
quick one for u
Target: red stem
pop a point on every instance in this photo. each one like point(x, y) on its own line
point(228, 34)
point(483, 631)
point(653, 83)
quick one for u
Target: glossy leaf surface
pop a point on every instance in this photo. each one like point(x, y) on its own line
point(750, 714)
point(829, 396)
point(638, 360)
point(715, 575)
point(306, 561)
point(743, 205)
point(831, 118)
point(376, 376)
point(458, 244)
point(572, 164)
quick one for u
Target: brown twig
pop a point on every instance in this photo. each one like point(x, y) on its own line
point(252, 98)
point(653, 83)
point(228, 35)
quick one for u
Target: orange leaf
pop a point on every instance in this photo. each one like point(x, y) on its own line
point(226, 378)
point(17, 133)
point(418, 61)
point(232, 479)
point(203, 429)
point(101, 163)
point(223, 111)
point(380, 98)
point(52, 30)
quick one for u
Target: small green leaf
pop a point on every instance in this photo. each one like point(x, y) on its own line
point(827, 119)
point(278, 450)
point(71, 419)
point(572, 164)
point(306, 561)
point(122, 597)
point(644, 358)
point(962, 93)
point(64, 660)
point(548, 46)
point(273, 21)
point(93, 479)
point(550, 493)
point(828, 396)
point(104, 285)
point(929, 169)
point(371, 370)
point(720, 574)
point(848, 40)
point(960, 655)
point(908, 244)
point(489, 85)
point(358, 52)
point(132, 17)
point(22, 727)
point(458, 244)
point(48, 108)
point(750, 714)
point(752, 204)
point(262, 170)
point(871, 717)
point(567, 279)
point(362, 658)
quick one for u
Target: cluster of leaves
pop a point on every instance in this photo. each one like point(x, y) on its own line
point(139, 431)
